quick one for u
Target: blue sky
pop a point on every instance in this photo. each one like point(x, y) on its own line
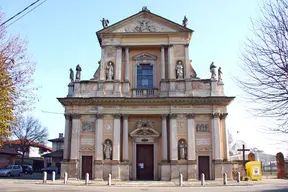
point(61, 34)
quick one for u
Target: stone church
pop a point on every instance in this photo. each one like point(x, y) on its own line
point(144, 114)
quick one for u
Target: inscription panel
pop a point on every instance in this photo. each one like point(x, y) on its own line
point(202, 127)
point(86, 141)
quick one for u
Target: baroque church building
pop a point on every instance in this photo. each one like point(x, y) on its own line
point(145, 115)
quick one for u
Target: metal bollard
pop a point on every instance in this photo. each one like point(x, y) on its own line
point(202, 179)
point(225, 178)
point(87, 179)
point(238, 177)
point(65, 177)
point(44, 177)
point(53, 176)
point(109, 180)
point(180, 180)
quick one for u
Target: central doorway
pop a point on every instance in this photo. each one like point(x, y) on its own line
point(86, 166)
point(204, 167)
point(145, 162)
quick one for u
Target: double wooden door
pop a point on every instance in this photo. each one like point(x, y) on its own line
point(145, 162)
point(86, 166)
point(204, 167)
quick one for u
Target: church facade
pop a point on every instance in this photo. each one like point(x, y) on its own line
point(145, 115)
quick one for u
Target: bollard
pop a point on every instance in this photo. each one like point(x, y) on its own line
point(65, 177)
point(53, 176)
point(225, 178)
point(87, 179)
point(202, 179)
point(180, 180)
point(238, 177)
point(44, 177)
point(109, 180)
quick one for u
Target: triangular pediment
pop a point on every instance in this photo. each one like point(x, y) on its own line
point(144, 129)
point(144, 22)
point(144, 56)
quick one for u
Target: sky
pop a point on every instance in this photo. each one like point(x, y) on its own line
point(61, 34)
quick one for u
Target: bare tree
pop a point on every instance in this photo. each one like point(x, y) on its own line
point(265, 63)
point(230, 142)
point(29, 132)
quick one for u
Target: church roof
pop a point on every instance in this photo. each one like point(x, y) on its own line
point(144, 13)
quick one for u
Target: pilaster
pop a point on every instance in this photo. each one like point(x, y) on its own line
point(171, 74)
point(191, 155)
point(164, 137)
point(173, 140)
point(225, 137)
point(99, 142)
point(102, 64)
point(162, 62)
point(187, 62)
point(66, 152)
point(125, 137)
point(116, 140)
point(118, 70)
point(216, 136)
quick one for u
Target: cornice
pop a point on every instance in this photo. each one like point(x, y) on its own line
point(217, 100)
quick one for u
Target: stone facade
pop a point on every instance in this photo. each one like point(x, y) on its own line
point(177, 118)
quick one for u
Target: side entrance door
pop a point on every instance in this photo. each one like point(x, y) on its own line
point(203, 167)
point(86, 166)
point(145, 162)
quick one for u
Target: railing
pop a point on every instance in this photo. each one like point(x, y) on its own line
point(139, 92)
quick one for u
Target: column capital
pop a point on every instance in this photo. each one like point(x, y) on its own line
point(164, 116)
point(99, 116)
point(224, 115)
point(170, 45)
point(215, 115)
point(75, 115)
point(118, 46)
point(190, 115)
point(186, 45)
point(173, 116)
point(125, 116)
point(67, 115)
point(117, 116)
point(103, 46)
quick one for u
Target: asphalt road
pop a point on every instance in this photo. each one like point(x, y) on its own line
point(34, 176)
point(14, 187)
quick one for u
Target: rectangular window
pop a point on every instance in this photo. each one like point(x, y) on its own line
point(145, 76)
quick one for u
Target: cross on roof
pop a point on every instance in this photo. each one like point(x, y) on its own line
point(243, 153)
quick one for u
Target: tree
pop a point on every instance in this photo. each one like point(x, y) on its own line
point(265, 63)
point(29, 132)
point(16, 71)
point(230, 142)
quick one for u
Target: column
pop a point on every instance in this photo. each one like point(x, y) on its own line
point(116, 139)
point(125, 138)
point(216, 136)
point(102, 64)
point(162, 62)
point(164, 137)
point(191, 152)
point(187, 62)
point(127, 70)
point(171, 74)
point(226, 138)
point(75, 137)
point(66, 151)
point(173, 139)
point(99, 142)
point(118, 70)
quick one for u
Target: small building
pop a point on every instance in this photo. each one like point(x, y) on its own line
point(7, 156)
point(56, 156)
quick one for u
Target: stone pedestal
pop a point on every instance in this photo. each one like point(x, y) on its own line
point(115, 168)
point(70, 90)
point(214, 87)
point(227, 168)
point(64, 168)
point(124, 171)
point(174, 174)
point(218, 169)
point(117, 88)
point(163, 88)
point(192, 171)
point(188, 85)
point(100, 91)
point(98, 170)
point(126, 88)
point(73, 170)
point(165, 172)
point(172, 88)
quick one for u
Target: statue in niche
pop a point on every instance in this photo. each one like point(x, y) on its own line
point(105, 22)
point(71, 75)
point(110, 71)
point(179, 70)
point(220, 74)
point(182, 147)
point(78, 72)
point(185, 21)
point(213, 70)
point(107, 150)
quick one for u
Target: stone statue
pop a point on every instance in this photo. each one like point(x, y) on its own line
point(179, 70)
point(105, 22)
point(110, 71)
point(185, 21)
point(107, 150)
point(213, 70)
point(220, 74)
point(182, 150)
point(71, 75)
point(78, 72)
point(144, 8)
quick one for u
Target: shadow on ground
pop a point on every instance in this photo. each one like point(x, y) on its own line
point(34, 176)
point(285, 189)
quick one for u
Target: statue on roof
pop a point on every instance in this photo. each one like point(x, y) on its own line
point(213, 70)
point(78, 72)
point(71, 75)
point(144, 8)
point(105, 22)
point(220, 74)
point(185, 21)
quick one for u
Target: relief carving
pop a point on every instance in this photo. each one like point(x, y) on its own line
point(202, 127)
point(87, 127)
point(203, 148)
point(110, 51)
point(144, 128)
point(180, 86)
point(108, 126)
point(200, 86)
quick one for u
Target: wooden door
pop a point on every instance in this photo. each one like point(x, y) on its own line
point(86, 166)
point(145, 162)
point(204, 167)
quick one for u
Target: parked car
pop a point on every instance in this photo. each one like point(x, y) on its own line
point(50, 169)
point(27, 169)
point(11, 170)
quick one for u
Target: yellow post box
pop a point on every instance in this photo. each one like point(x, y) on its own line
point(253, 170)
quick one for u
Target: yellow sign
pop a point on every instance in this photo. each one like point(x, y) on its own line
point(253, 170)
